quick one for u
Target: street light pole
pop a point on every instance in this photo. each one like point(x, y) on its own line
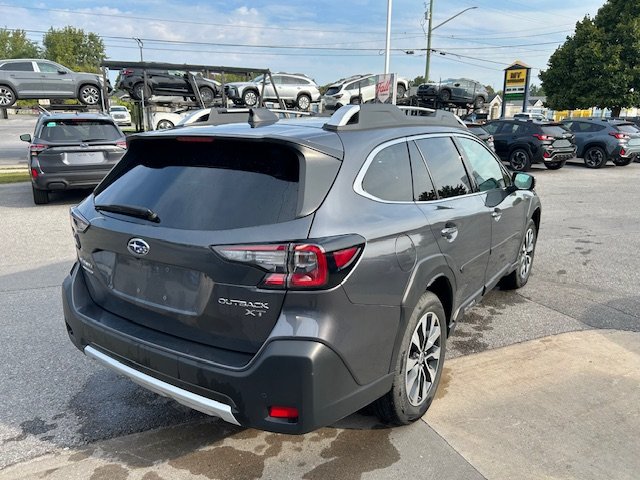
point(388, 44)
point(430, 31)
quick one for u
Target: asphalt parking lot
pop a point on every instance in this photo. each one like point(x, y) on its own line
point(542, 383)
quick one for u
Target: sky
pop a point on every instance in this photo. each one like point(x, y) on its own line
point(326, 40)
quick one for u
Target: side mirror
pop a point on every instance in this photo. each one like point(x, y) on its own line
point(25, 137)
point(524, 181)
point(62, 72)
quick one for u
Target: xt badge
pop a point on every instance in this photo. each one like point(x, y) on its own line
point(252, 309)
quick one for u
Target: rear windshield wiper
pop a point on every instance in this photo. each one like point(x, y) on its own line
point(139, 212)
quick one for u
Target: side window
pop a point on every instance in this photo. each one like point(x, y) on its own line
point(485, 169)
point(47, 67)
point(18, 67)
point(596, 128)
point(423, 189)
point(389, 175)
point(277, 80)
point(492, 128)
point(444, 163)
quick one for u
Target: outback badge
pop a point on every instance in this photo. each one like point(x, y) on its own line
point(138, 247)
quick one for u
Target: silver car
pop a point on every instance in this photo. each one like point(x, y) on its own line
point(37, 78)
point(295, 89)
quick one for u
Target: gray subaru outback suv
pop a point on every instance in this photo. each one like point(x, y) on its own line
point(283, 274)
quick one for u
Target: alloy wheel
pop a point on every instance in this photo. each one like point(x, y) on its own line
point(526, 253)
point(303, 102)
point(6, 96)
point(90, 95)
point(519, 160)
point(423, 358)
point(593, 158)
point(250, 98)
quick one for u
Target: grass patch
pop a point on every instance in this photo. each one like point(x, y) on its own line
point(12, 176)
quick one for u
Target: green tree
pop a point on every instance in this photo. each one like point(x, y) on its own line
point(15, 44)
point(536, 91)
point(490, 90)
point(74, 48)
point(599, 65)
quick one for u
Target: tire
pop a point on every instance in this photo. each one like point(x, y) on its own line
point(555, 165)
point(138, 89)
point(164, 124)
point(595, 157)
point(479, 102)
point(402, 91)
point(7, 96)
point(445, 95)
point(250, 98)
point(520, 160)
point(622, 162)
point(89, 94)
point(520, 276)
point(303, 102)
point(40, 197)
point(207, 95)
point(404, 404)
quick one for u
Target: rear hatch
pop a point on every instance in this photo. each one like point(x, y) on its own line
point(165, 271)
point(563, 139)
point(78, 144)
point(632, 132)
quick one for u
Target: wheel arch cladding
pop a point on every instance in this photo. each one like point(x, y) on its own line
point(536, 218)
point(441, 288)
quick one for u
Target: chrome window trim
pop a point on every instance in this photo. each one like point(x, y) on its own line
point(357, 184)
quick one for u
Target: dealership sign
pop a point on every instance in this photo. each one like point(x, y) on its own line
point(386, 88)
point(516, 85)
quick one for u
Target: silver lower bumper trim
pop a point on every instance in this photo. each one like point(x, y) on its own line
point(189, 399)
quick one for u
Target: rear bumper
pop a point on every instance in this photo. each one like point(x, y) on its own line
point(70, 180)
point(626, 151)
point(301, 373)
point(548, 155)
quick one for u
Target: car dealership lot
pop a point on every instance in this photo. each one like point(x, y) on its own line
point(585, 277)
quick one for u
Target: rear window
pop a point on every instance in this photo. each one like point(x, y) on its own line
point(554, 130)
point(74, 130)
point(332, 90)
point(627, 128)
point(477, 130)
point(217, 185)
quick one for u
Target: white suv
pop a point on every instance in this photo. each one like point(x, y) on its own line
point(357, 89)
point(295, 89)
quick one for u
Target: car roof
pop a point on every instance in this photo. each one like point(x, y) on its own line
point(67, 116)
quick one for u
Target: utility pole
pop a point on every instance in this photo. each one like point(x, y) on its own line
point(144, 85)
point(429, 18)
point(388, 44)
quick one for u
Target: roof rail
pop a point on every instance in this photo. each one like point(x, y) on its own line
point(223, 116)
point(380, 115)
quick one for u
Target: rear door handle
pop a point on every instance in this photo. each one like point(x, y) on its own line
point(450, 232)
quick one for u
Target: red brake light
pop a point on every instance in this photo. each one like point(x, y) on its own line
point(293, 265)
point(127, 71)
point(619, 136)
point(544, 137)
point(34, 173)
point(36, 148)
point(121, 145)
point(344, 257)
point(290, 413)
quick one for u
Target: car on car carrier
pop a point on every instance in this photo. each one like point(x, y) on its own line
point(282, 274)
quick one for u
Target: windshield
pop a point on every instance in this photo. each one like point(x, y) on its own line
point(118, 109)
point(554, 130)
point(258, 79)
point(79, 130)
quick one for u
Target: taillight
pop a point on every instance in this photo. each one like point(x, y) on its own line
point(543, 137)
point(79, 224)
point(34, 172)
point(619, 136)
point(121, 145)
point(127, 71)
point(36, 148)
point(294, 265)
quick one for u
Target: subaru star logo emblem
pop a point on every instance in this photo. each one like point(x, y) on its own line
point(138, 247)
